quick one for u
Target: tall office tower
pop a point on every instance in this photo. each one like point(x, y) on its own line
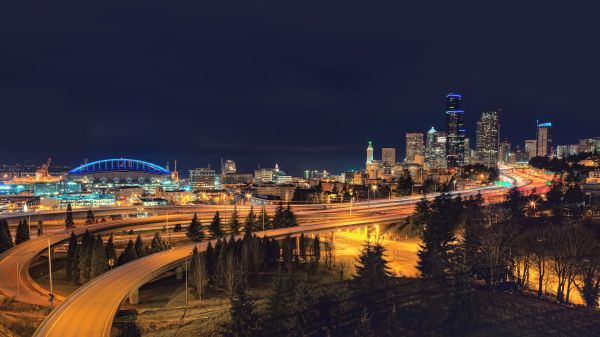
point(455, 131)
point(370, 153)
point(467, 154)
point(429, 143)
point(438, 151)
point(544, 139)
point(388, 156)
point(414, 147)
point(504, 151)
point(488, 133)
point(531, 148)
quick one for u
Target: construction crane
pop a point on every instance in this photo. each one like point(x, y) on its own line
point(42, 173)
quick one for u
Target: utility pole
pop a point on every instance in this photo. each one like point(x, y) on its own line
point(186, 282)
point(50, 272)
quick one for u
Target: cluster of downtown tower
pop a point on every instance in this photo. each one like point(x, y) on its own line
point(451, 148)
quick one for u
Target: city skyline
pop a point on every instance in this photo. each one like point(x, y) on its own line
point(98, 92)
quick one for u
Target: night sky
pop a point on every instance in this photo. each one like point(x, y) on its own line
point(302, 83)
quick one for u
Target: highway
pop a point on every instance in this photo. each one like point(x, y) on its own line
point(90, 310)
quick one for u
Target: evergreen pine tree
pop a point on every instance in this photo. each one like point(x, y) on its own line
point(128, 254)
point(438, 236)
point(140, 249)
point(279, 305)
point(157, 244)
point(302, 247)
point(290, 217)
point(211, 260)
point(234, 222)
point(111, 252)
point(279, 217)
point(71, 251)
point(317, 249)
point(372, 273)
point(69, 223)
point(90, 218)
point(243, 314)
point(99, 260)
point(250, 223)
point(22, 234)
point(215, 227)
point(287, 253)
point(75, 272)
point(6, 242)
point(198, 276)
point(194, 231)
point(85, 257)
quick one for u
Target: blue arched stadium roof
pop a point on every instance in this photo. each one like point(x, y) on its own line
point(119, 165)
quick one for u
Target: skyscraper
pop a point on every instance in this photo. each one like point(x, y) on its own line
point(544, 139)
point(531, 148)
point(429, 143)
point(455, 131)
point(369, 153)
point(504, 151)
point(388, 156)
point(488, 133)
point(414, 147)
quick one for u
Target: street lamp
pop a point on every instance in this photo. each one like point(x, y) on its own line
point(374, 188)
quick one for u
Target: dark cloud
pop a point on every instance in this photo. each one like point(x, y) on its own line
point(305, 84)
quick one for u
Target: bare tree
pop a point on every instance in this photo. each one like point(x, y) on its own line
point(570, 245)
point(198, 277)
point(539, 254)
point(329, 246)
point(496, 243)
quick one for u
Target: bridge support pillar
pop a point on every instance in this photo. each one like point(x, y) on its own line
point(134, 296)
point(179, 273)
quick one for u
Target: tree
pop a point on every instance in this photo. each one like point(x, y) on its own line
point(6, 242)
point(250, 222)
point(198, 276)
point(194, 231)
point(71, 251)
point(243, 314)
point(128, 254)
point(279, 217)
point(279, 305)
point(317, 249)
point(22, 234)
point(111, 252)
point(90, 218)
point(130, 329)
point(302, 247)
point(69, 223)
point(99, 260)
point(211, 262)
point(372, 273)
point(496, 244)
point(290, 217)
point(157, 244)
point(438, 236)
point(215, 227)
point(85, 257)
point(287, 253)
point(140, 250)
point(234, 222)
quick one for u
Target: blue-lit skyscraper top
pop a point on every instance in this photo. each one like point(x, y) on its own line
point(453, 101)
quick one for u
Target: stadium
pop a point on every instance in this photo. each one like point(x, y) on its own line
point(119, 172)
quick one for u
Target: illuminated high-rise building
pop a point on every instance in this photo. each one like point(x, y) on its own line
point(437, 158)
point(388, 156)
point(415, 150)
point(370, 153)
point(544, 139)
point(504, 151)
point(488, 134)
point(531, 148)
point(455, 131)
